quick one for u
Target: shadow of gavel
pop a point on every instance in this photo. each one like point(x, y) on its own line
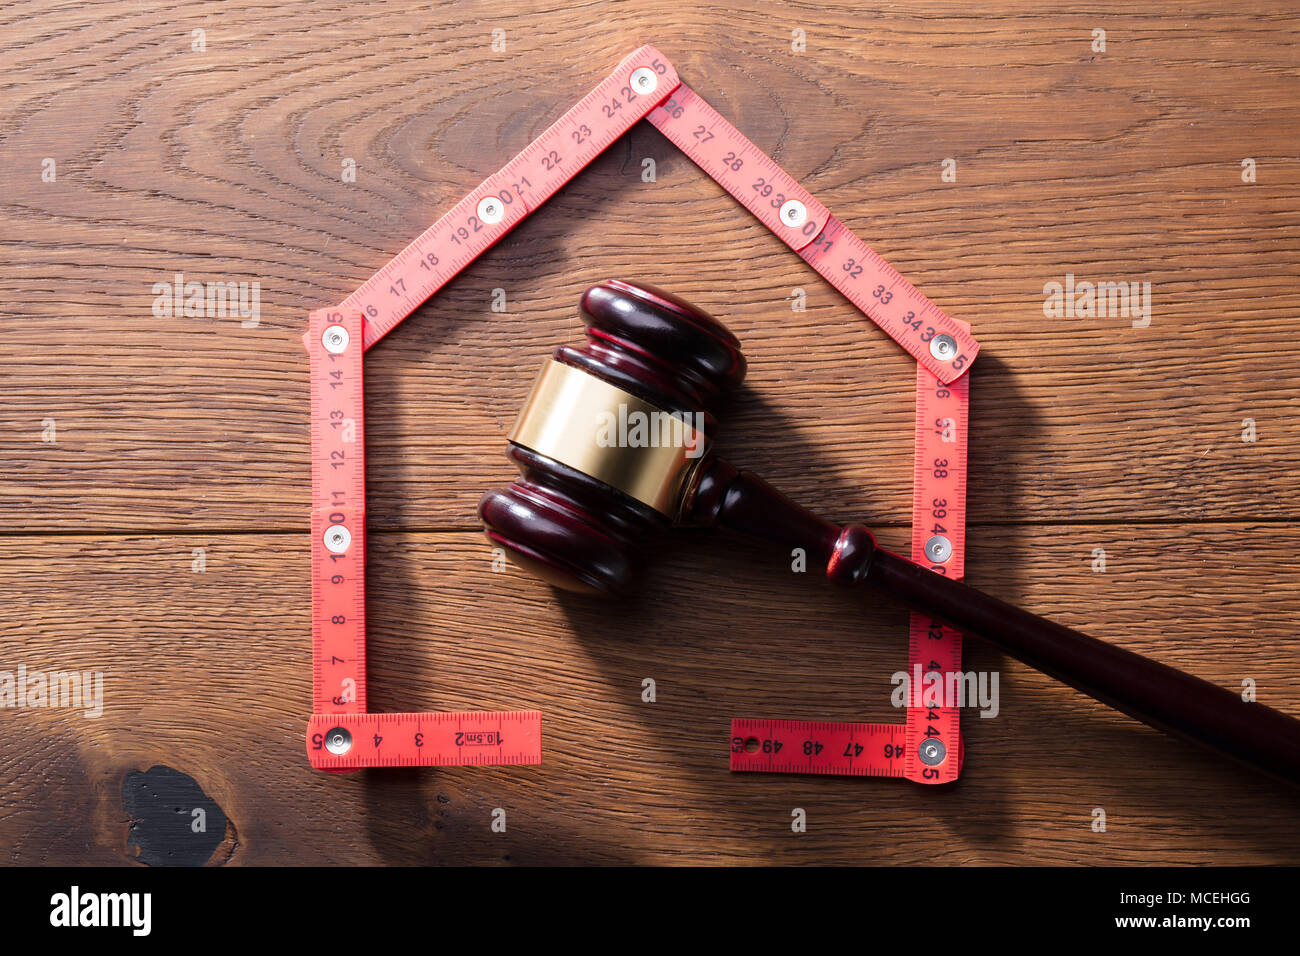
point(613, 444)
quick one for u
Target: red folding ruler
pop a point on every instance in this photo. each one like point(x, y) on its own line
point(926, 747)
point(341, 735)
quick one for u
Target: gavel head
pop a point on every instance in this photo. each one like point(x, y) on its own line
point(612, 437)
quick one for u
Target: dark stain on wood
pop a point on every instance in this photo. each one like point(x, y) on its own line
point(173, 822)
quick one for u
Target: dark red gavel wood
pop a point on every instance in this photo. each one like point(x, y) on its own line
point(1154, 693)
point(582, 534)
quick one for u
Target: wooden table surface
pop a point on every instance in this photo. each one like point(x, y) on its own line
point(154, 479)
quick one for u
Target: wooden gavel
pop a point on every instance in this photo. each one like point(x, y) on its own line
point(612, 444)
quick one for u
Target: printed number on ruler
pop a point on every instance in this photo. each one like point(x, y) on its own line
point(338, 518)
point(425, 740)
point(817, 747)
point(498, 204)
point(937, 341)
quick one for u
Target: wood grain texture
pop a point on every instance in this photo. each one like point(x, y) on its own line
point(221, 697)
point(182, 433)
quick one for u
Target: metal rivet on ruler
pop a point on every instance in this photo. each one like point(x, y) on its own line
point(337, 539)
point(644, 80)
point(794, 213)
point(491, 210)
point(943, 347)
point(338, 741)
point(938, 549)
point(932, 751)
point(335, 339)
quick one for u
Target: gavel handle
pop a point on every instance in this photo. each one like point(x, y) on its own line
point(1154, 693)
